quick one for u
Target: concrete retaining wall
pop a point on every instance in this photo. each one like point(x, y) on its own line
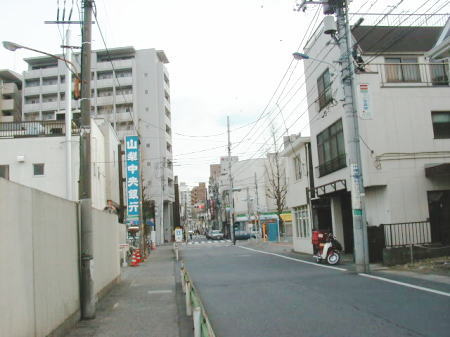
point(401, 255)
point(39, 263)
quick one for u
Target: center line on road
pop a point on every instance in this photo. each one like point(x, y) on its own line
point(406, 284)
point(294, 259)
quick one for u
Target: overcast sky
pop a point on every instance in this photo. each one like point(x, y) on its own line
point(226, 58)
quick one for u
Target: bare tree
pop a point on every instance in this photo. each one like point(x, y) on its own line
point(276, 189)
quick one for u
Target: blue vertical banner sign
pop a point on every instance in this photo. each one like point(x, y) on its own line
point(133, 180)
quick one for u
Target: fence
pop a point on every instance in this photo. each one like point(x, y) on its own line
point(407, 233)
point(35, 128)
point(194, 307)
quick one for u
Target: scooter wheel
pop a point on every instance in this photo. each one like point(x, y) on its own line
point(333, 258)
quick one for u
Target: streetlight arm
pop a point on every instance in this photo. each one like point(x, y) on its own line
point(14, 46)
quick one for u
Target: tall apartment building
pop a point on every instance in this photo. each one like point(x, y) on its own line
point(10, 96)
point(130, 88)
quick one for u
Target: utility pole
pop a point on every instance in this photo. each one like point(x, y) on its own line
point(161, 211)
point(248, 204)
point(258, 223)
point(87, 296)
point(68, 119)
point(351, 129)
point(230, 182)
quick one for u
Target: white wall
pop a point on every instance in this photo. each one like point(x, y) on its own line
point(39, 255)
point(243, 173)
point(108, 235)
point(51, 152)
point(39, 287)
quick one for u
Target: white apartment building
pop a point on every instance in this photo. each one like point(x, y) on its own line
point(130, 88)
point(403, 105)
point(185, 203)
point(34, 154)
point(300, 180)
point(10, 96)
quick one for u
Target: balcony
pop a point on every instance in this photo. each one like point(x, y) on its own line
point(411, 74)
point(118, 64)
point(9, 89)
point(125, 98)
point(32, 107)
point(34, 129)
point(49, 89)
point(104, 100)
point(31, 91)
point(7, 105)
point(4, 119)
point(332, 165)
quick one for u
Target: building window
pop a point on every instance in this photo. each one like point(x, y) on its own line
point(324, 89)
point(302, 222)
point(147, 145)
point(297, 168)
point(146, 92)
point(50, 80)
point(331, 149)
point(35, 82)
point(4, 171)
point(402, 69)
point(441, 124)
point(38, 169)
point(439, 72)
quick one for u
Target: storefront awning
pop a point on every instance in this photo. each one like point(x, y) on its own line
point(437, 170)
point(332, 187)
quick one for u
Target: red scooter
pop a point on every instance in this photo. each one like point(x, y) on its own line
point(326, 247)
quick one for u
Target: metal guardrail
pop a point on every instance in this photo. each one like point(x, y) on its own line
point(194, 306)
point(35, 129)
point(407, 234)
point(411, 74)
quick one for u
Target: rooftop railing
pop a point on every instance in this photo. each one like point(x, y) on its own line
point(35, 129)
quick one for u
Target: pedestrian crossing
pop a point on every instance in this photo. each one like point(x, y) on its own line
point(208, 243)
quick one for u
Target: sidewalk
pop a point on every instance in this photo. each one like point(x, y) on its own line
point(143, 304)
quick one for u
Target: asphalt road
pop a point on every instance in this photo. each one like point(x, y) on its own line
point(250, 294)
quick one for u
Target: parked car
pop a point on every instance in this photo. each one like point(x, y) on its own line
point(214, 235)
point(241, 235)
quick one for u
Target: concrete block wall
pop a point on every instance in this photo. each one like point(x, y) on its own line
point(39, 260)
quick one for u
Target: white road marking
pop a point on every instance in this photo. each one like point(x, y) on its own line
point(406, 284)
point(294, 259)
point(159, 292)
point(115, 305)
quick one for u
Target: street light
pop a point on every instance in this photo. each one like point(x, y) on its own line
point(11, 46)
point(301, 56)
point(68, 118)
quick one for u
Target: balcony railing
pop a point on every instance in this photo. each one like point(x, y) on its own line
point(35, 129)
point(407, 233)
point(412, 74)
point(332, 165)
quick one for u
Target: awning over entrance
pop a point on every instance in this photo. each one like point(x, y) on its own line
point(438, 170)
point(332, 187)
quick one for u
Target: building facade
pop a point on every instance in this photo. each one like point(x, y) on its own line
point(10, 96)
point(130, 89)
point(300, 181)
point(403, 111)
point(35, 157)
